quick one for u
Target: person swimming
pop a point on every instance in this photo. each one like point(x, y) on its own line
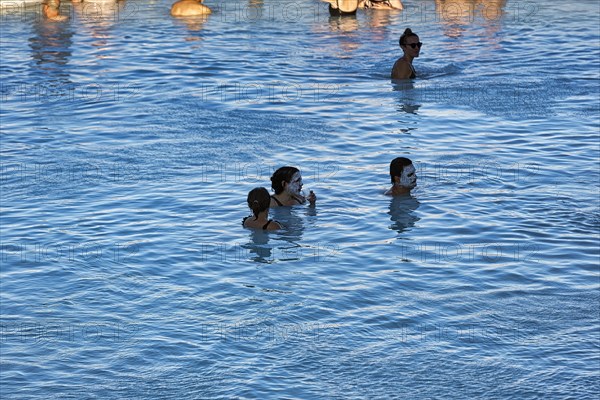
point(287, 184)
point(258, 201)
point(51, 10)
point(189, 8)
point(410, 45)
point(382, 4)
point(341, 8)
point(403, 176)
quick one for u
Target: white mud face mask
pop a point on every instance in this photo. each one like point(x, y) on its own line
point(295, 184)
point(408, 179)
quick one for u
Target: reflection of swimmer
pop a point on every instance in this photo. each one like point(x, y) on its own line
point(193, 24)
point(403, 176)
point(455, 15)
point(51, 51)
point(345, 27)
point(258, 201)
point(410, 45)
point(408, 107)
point(401, 212)
point(259, 245)
point(189, 8)
point(408, 97)
point(287, 184)
point(99, 28)
point(378, 22)
point(344, 24)
point(293, 220)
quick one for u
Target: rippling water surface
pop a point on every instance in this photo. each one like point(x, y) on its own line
point(130, 140)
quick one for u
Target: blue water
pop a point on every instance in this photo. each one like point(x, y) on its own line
point(130, 140)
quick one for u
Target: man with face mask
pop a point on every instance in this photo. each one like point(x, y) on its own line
point(403, 176)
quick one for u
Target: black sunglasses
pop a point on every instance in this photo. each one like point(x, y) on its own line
point(413, 45)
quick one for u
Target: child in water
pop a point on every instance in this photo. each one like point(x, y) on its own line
point(259, 201)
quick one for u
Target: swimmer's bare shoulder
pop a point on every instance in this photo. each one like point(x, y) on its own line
point(401, 69)
point(189, 8)
point(274, 226)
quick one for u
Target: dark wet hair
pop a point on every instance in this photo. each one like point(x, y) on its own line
point(397, 166)
point(283, 174)
point(407, 33)
point(258, 200)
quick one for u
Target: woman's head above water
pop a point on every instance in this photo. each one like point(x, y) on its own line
point(287, 179)
point(409, 43)
point(408, 33)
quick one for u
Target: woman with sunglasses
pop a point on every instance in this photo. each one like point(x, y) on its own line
point(410, 45)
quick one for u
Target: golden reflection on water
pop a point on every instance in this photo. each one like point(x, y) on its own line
point(456, 15)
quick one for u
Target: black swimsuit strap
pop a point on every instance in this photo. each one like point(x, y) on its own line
point(336, 12)
point(267, 224)
point(276, 200)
